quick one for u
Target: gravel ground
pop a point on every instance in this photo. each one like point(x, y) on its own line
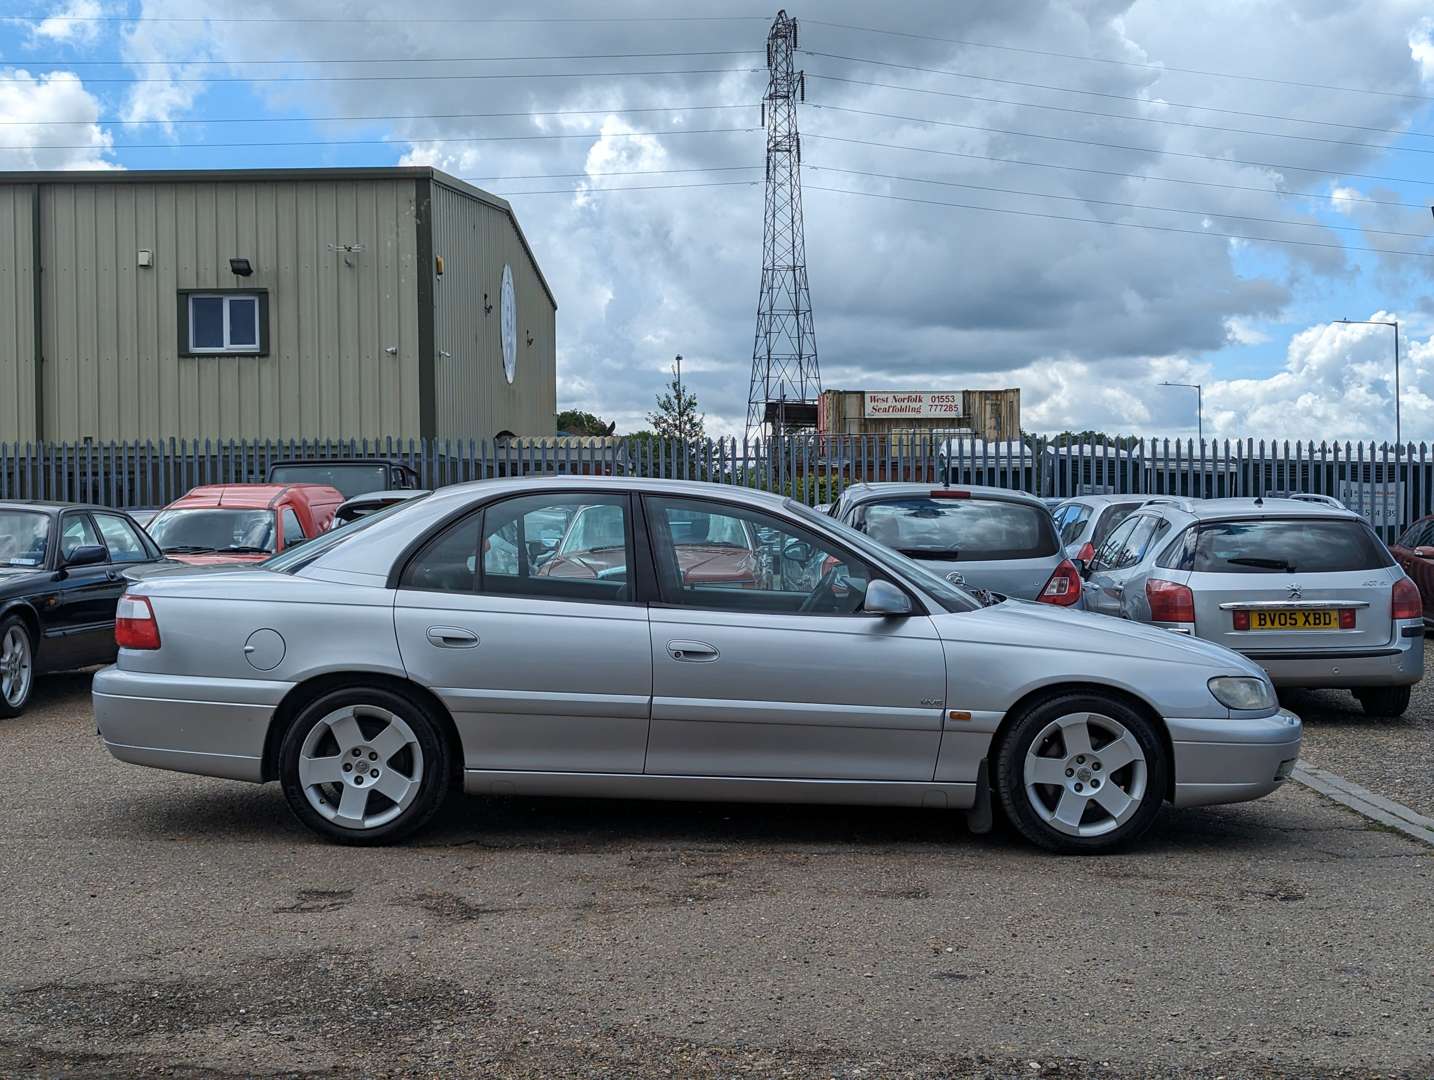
point(158, 924)
point(1391, 757)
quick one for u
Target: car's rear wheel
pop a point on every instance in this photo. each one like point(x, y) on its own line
point(17, 666)
point(364, 766)
point(1383, 700)
point(1082, 773)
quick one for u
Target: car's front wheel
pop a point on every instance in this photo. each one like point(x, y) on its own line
point(1383, 700)
point(1082, 773)
point(17, 666)
point(364, 766)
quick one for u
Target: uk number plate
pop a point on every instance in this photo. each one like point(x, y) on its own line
point(1295, 619)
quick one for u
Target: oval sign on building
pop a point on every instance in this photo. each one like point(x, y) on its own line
point(508, 316)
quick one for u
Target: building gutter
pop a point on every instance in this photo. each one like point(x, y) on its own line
point(37, 312)
point(427, 311)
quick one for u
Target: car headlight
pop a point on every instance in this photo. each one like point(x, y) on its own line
point(1242, 692)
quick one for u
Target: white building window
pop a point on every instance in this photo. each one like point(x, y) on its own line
point(230, 322)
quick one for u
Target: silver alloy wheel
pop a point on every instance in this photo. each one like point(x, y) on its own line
point(16, 667)
point(1085, 774)
point(349, 755)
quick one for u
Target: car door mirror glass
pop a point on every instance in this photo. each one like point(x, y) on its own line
point(86, 555)
point(797, 551)
point(884, 598)
point(1082, 568)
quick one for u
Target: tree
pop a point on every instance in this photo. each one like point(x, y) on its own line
point(677, 415)
point(1099, 438)
point(577, 422)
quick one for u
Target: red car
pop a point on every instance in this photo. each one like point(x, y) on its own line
point(1414, 551)
point(229, 523)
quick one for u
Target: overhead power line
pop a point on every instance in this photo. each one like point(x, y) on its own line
point(410, 77)
point(406, 141)
point(626, 172)
point(1122, 63)
point(1110, 202)
point(1164, 153)
point(1145, 120)
point(364, 20)
point(376, 116)
point(380, 60)
point(1117, 224)
point(1317, 195)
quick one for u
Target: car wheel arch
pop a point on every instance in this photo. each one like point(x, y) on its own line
point(304, 693)
point(1041, 694)
point(30, 618)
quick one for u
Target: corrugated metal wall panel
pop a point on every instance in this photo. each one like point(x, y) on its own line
point(17, 311)
point(111, 328)
point(474, 398)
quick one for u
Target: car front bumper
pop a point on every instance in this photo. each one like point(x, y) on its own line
point(214, 727)
point(1232, 760)
point(1400, 663)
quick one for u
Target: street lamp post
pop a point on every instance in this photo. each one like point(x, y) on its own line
point(1398, 431)
point(1199, 406)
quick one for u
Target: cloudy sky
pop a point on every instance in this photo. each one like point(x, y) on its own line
point(1082, 199)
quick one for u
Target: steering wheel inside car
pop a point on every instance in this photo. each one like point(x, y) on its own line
point(825, 589)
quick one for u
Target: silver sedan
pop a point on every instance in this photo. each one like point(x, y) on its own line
point(444, 643)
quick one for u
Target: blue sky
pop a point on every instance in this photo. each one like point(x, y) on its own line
point(1086, 319)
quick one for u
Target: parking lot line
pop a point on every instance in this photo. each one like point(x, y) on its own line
point(1365, 802)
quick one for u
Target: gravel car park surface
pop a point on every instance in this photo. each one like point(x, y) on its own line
point(1393, 756)
point(158, 924)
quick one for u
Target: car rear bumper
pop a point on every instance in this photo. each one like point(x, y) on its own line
point(1232, 760)
point(1398, 664)
point(214, 727)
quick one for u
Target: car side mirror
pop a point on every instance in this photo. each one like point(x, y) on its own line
point(1082, 568)
point(86, 555)
point(798, 551)
point(884, 598)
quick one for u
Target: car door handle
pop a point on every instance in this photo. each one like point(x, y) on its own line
point(452, 637)
point(694, 652)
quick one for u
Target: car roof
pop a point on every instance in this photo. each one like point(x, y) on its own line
point(384, 462)
point(867, 492)
point(52, 507)
point(1225, 509)
point(1105, 500)
point(248, 496)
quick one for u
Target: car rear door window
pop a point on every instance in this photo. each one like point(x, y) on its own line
point(1108, 554)
point(1301, 545)
point(124, 543)
point(956, 529)
point(1137, 542)
point(1110, 518)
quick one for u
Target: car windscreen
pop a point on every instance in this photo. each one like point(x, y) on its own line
point(207, 530)
point(295, 559)
point(23, 536)
point(357, 478)
point(1111, 517)
point(922, 527)
point(1287, 546)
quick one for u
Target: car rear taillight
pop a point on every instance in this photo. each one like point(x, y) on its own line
point(1407, 603)
point(1242, 620)
point(1346, 618)
point(135, 624)
point(1063, 589)
point(1172, 602)
point(1086, 553)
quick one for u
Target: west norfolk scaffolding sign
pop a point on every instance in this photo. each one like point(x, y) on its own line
point(912, 404)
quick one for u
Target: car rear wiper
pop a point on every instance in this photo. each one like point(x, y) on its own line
point(1264, 564)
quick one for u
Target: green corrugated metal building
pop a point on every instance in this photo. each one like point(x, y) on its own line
point(379, 302)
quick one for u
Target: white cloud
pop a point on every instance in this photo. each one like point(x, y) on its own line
point(1243, 332)
point(26, 100)
point(73, 23)
point(1421, 47)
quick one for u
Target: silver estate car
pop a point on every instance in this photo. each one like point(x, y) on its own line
point(383, 664)
point(1305, 589)
point(981, 537)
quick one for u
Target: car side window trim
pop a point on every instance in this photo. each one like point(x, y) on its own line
point(136, 532)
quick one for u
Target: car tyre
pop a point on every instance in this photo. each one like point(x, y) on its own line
point(1082, 773)
point(1384, 700)
point(365, 765)
point(17, 666)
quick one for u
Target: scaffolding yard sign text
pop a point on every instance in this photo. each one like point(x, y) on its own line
point(913, 404)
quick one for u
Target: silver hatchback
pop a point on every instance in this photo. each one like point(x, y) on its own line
point(988, 538)
point(690, 641)
point(1304, 588)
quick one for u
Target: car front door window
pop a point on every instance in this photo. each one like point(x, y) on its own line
point(716, 555)
point(123, 542)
